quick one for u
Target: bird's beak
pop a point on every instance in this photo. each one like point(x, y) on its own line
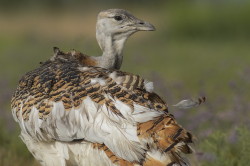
point(144, 26)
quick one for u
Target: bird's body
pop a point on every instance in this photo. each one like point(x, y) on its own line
point(81, 110)
point(73, 114)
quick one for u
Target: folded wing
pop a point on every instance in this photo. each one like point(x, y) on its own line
point(64, 100)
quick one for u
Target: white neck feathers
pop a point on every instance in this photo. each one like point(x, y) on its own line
point(111, 46)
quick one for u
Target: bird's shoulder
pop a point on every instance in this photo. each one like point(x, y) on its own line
point(64, 79)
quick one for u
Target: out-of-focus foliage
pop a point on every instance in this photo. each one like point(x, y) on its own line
point(12, 151)
point(199, 48)
point(213, 20)
point(228, 149)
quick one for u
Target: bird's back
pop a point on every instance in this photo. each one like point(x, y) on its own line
point(84, 115)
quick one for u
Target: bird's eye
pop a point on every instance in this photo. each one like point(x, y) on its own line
point(118, 18)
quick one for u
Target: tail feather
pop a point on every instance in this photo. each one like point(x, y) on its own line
point(169, 138)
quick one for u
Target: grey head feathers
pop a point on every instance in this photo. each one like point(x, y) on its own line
point(113, 28)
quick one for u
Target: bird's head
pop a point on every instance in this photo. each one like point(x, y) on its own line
point(119, 24)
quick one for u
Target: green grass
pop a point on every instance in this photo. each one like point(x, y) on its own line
point(225, 152)
point(13, 151)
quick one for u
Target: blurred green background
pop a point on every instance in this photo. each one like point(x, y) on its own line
point(201, 47)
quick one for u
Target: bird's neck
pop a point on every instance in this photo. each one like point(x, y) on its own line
point(112, 51)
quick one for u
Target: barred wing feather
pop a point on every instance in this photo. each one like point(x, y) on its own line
point(116, 112)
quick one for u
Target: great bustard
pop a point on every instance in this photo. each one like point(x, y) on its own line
point(73, 114)
point(113, 28)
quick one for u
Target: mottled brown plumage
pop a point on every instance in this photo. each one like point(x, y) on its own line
point(82, 58)
point(60, 79)
point(112, 156)
point(70, 79)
